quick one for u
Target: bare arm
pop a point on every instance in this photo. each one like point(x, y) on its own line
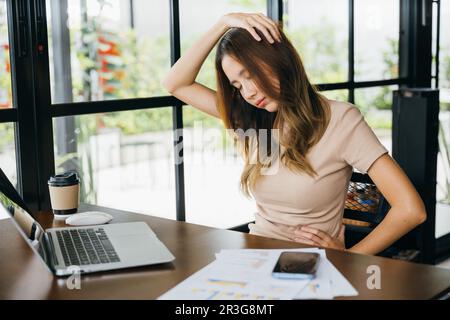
point(407, 208)
point(407, 211)
point(180, 81)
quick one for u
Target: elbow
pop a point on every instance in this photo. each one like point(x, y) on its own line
point(421, 216)
point(168, 86)
point(418, 214)
point(421, 212)
point(414, 208)
point(413, 214)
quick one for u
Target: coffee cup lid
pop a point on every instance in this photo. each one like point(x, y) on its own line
point(65, 179)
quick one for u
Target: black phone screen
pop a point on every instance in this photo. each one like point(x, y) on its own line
point(297, 262)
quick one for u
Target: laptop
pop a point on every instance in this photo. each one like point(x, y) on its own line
point(88, 248)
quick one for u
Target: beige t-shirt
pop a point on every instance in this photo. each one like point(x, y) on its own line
point(287, 199)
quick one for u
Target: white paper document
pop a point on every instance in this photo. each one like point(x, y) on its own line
point(328, 283)
point(246, 274)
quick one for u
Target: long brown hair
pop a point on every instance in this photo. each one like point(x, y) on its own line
point(302, 115)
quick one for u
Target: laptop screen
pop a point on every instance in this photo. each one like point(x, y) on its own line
point(28, 227)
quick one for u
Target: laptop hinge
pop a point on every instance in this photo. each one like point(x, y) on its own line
point(50, 253)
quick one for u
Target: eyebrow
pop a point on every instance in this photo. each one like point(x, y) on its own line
point(240, 74)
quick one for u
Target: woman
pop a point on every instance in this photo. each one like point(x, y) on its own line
point(261, 84)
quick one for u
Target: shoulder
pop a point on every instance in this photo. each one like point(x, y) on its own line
point(343, 112)
point(341, 108)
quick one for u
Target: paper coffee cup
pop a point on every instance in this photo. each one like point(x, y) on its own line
point(64, 193)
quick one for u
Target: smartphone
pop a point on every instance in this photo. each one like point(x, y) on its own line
point(296, 265)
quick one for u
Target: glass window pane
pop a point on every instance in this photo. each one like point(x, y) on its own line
point(319, 31)
point(101, 50)
point(443, 168)
point(376, 105)
point(125, 159)
point(376, 39)
point(444, 55)
point(8, 155)
point(5, 66)
point(212, 174)
point(434, 43)
point(212, 170)
point(339, 95)
point(8, 152)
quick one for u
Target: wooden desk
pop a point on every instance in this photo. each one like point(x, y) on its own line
point(23, 276)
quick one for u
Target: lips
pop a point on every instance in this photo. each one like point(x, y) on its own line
point(260, 103)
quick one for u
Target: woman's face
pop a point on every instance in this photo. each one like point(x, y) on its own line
point(242, 80)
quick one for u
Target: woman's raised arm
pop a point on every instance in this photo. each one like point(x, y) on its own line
point(180, 81)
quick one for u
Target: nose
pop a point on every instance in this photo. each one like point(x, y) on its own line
point(248, 90)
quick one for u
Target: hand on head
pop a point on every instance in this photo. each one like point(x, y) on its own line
point(252, 22)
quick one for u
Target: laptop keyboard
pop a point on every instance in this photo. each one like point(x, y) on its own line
point(86, 246)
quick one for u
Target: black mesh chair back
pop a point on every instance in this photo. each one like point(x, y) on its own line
point(365, 205)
